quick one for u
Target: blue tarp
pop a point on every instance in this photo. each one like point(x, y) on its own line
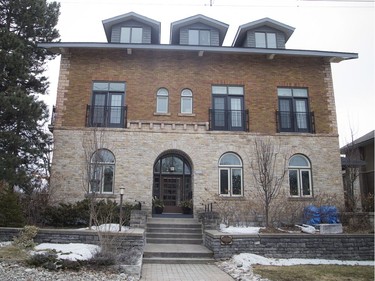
point(311, 215)
point(325, 214)
point(329, 214)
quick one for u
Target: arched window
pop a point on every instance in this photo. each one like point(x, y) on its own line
point(102, 170)
point(230, 175)
point(187, 101)
point(162, 101)
point(300, 176)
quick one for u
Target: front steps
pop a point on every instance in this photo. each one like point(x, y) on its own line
point(171, 240)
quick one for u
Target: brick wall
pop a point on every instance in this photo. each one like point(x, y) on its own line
point(341, 247)
point(146, 71)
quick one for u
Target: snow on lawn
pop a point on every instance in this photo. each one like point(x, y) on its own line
point(246, 260)
point(239, 230)
point(72, 251)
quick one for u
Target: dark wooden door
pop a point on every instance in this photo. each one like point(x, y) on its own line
point(171, 194)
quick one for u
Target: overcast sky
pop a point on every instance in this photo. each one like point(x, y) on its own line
point(336, 25)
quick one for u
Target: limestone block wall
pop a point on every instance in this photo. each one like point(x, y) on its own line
point(137, 149)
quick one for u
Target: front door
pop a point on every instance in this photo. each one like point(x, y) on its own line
point(171, 194)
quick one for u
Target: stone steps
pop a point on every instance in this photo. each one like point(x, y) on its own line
point(175, 241)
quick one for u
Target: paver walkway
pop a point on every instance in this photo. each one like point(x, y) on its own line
point(183, 272)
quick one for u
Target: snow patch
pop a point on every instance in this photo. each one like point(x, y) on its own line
point(239, 230)
point(109, 227)
point(72, 251)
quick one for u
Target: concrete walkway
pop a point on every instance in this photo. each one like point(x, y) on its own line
point(183, 272)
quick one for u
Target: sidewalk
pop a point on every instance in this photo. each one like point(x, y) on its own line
point(183, 272)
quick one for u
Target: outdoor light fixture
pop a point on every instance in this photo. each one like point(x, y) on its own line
point(122, 190)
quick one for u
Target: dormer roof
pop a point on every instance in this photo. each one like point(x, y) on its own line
point(242, 29)
point(177, 25)
point(155, 25)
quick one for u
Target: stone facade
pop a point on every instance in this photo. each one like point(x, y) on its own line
point(137, 150)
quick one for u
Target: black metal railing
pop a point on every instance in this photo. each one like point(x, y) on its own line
point(299, 122)
point(106, 116)
point(228, 120)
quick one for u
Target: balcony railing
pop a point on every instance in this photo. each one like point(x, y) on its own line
point(229, 120)
point(299, 122)
point(106, 116)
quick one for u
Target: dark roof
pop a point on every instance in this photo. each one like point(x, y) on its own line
point(362, 141)
point(177, 25)
point(345, 162)
point(59, 47)
point(155, 25)
point(242, 29)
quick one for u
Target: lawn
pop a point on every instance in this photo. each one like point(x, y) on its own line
point(315, 273)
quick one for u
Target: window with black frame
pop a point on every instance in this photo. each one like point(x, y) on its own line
point(293, 114)
point(107, 107)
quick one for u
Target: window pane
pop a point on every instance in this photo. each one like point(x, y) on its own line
point(236, 181)
point(284, 92)
point(224, 181)
point(204, 37)
point(293, 182)
point(260, 40)
point(236, 113)
point(219, 113)
point(285, 113)
point(95, 177)
point(235, 91)
point(221, 90)
point(117, 87)
point(300, 93)
point(136, 35)
point(125, 35)
point(157, 167)
point(186, 105)
point(298, 161)
point(178, 165)
point(301, 113)
point(100, 86)
point(271, 40)
point(162, 92)
point(186, 93)
point(162, 105)
point(306, 183)
point(193, 37)
point(230, 159)
point(187, 170)
point(108, 179)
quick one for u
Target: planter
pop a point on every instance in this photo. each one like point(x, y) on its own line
point(159, 210)
point(186, 210)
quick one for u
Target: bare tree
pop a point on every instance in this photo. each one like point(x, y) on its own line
point(351, 164)
point(92, 141)
point(267, 172)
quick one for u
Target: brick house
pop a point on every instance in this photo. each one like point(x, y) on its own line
point(178, 121)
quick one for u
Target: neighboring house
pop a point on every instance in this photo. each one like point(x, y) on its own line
point(178, 121)
point(358, 164)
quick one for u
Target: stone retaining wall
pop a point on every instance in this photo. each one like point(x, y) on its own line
point(339, 246)
point(135, 238)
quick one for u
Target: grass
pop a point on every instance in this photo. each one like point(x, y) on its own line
point(13, 253)
point(315, 273)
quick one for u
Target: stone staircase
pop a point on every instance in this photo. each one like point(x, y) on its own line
point(175, 240)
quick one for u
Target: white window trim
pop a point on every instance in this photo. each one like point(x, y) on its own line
point(299, 170)
point(162, 94)
point(229, 168)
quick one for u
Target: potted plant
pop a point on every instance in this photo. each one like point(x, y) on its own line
point(158, 205)
point(187, 206)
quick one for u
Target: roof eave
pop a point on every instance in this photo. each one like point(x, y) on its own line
point(332, 56)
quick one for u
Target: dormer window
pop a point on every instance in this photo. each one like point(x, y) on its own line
point(265, 40)
point(199, 37)
point(131, 35)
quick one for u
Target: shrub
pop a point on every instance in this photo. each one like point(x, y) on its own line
point(10, 210)
point(26, 236)
point(46, 260)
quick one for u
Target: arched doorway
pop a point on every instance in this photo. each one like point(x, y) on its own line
point(172, 180)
